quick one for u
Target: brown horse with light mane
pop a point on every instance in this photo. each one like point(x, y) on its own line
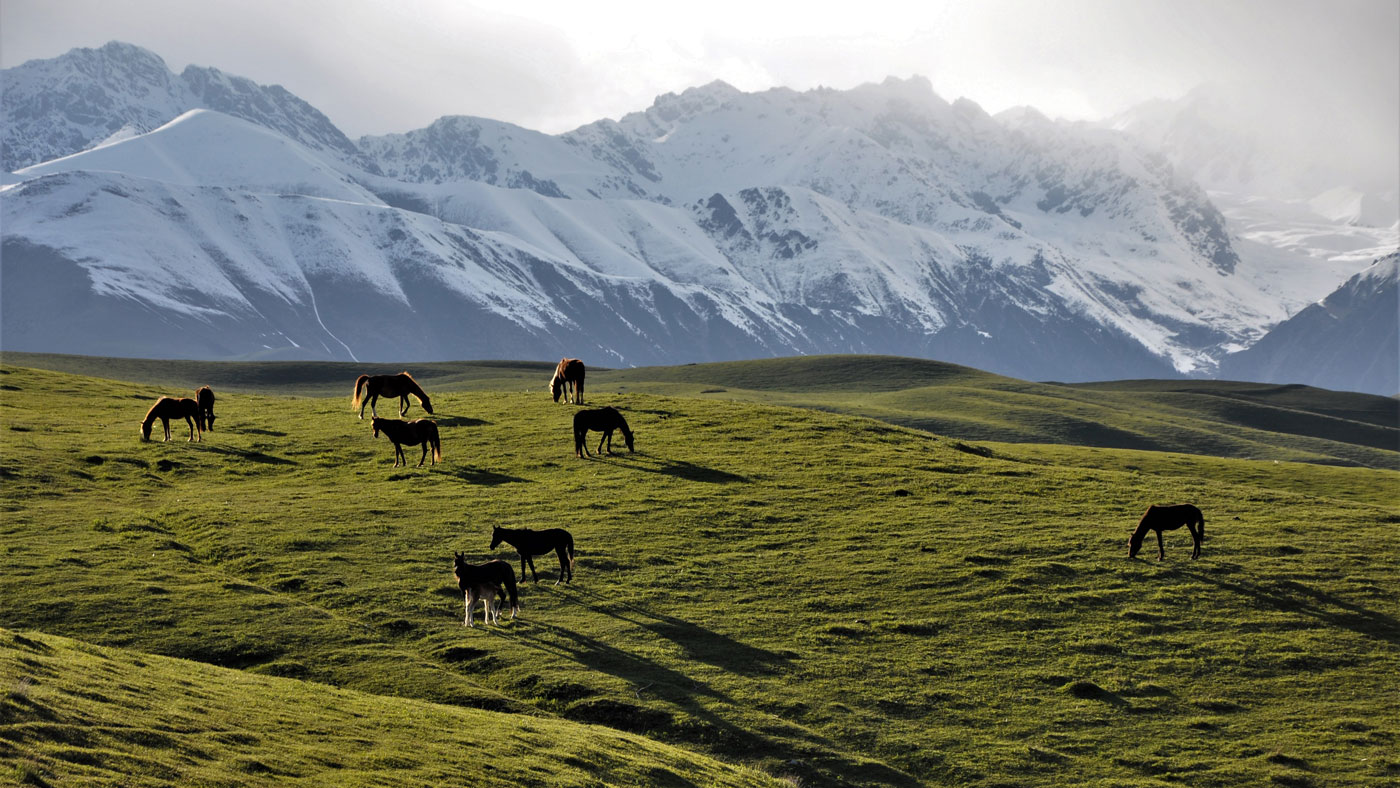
point(1169, 518)
point(369, 388)
point(568, 376)
point(167, 408)
point(205, 397)
point(411, 433)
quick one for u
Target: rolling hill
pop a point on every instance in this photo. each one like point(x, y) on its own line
point(826, 598)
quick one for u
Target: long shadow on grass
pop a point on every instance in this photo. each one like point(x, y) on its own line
point(678, 468)
point(700, 644)
point(251, 456)
point(457, 421)
point(1293, 597)
point(705, 727)
point(479, 476)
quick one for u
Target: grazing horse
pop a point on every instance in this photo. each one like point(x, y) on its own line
point(410, 433)
point(568, 376)
point(530, 543)
point(483, 582)
point(369, 388)
point(205, 397)
point(167, 408)
point(603, 420)
point(1169, 518)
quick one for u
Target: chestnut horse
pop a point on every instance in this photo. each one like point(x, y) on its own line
point(167, 408)
point(369, 388)
point(568, 376)
point(205, 397)
point(603, 420)
point(529, 543)
point(483, 582)
point(411, 433)
point(1169, 518)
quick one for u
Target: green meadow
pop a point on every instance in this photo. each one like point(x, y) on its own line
point(814, 572)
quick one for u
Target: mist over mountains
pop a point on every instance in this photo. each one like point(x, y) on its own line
point(201, 215)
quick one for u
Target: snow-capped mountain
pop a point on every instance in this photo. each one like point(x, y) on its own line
point(1350, 339)
point(1306, 211)
point(206, 216)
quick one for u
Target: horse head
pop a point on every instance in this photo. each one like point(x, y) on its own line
point(374, 423)
point(628, 436)
point(496, 536)
point(556, 385)
point(1135, 542)
point(146, 429)
point(209, 420)
point(427, 405)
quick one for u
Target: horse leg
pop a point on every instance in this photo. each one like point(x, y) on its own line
point(403, 405)
point(165, 423)
point(1161, 551)
point(190, 423)
point(606, 435)
point(467, 616)
point(533, 573)
point(373, 401)
point(398, 455)
point(1197, 536)
point(563, 565)
point(523, 558)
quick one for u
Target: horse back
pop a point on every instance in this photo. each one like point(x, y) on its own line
point(1173, 516)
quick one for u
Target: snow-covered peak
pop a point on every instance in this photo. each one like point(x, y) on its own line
point(206, 148)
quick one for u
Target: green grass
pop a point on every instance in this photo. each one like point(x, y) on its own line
point(80, 714)
point(826, 598)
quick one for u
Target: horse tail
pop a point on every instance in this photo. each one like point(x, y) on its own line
point(509, 578)
point(361, 382)
point(578, 386)
point(570, 546)
point(437, 444)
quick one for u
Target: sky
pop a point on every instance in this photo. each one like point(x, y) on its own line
point(376, 67)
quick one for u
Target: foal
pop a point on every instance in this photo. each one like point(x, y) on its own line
point(411, 433)
point(483, 582)
point(1169, 518)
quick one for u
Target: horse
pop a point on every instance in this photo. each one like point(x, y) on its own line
point(529, 543)
point(568, 376)
point(410, 433)
point(205, 397)
point(483, 582)
point(1169, 518)
point(603, 420)
point(167, 408)
point(371, 387)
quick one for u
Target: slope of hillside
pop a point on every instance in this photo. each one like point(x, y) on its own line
point(73, 713)
point(827, 598)
point(1352, 336)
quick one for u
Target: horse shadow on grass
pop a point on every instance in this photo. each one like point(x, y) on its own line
point(1293, 597)
point(677, 468)
point(707, 725)
point(479, 476)
point(699, 643)
point(458, 421)
point(249, 455)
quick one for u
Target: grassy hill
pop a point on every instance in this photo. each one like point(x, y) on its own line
point(1215, 418)
point(822, 597)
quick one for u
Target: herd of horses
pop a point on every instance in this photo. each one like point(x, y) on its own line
point(494, 582)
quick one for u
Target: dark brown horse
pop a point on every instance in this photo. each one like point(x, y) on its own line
point(529, 543)
point(568, 377)
point(603, 420)
point(369, 388)
point(484, 582)
point(410, 433)
point(167, 408)
point(1169, 518)
point(205, 397)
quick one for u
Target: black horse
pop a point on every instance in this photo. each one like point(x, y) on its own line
point(603, 420)
point(531, 543)
point(1169, 518)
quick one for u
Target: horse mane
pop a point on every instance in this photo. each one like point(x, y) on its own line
point(150, 419)
point(415, 389)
